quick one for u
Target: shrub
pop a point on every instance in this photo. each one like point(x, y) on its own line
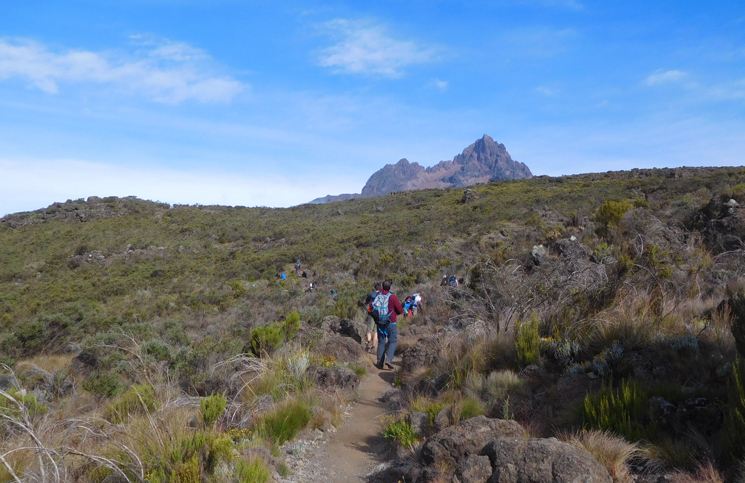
point(399, 430)
point(252, 471)
point(282, 424)
point(528, 342)
point(264, 340)
point(432, 408)
point(212, 408)
point(619, 410)
point(500, 384)
point(611, 212)
point(291, 325)
point(103, 384)
point(186, 459)
point(139, 399)
point(26, 401)
point(470, 408)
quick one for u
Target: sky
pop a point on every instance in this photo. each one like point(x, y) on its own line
point(267, 103)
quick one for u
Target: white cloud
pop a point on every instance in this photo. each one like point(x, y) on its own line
point(186, 74)
point(440, 85)
point(33, 184)
point(546, 91)
point(667, 76)
point(366, 48)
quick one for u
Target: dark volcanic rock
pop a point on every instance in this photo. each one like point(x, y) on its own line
point(517, 460)
point(333, 378)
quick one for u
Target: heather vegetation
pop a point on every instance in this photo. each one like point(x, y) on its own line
point(157, 343)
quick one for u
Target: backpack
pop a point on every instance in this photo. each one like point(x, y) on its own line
point(453, 281)
point(380, 312)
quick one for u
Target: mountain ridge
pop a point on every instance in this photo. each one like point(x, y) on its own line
point(483, 161)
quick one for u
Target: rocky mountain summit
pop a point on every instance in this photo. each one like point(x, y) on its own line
point(483, 161)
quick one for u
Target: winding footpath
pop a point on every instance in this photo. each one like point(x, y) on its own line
point(356, 452)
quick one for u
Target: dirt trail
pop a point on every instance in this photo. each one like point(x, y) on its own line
point(353, 452)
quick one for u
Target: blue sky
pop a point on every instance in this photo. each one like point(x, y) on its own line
point(260, 103)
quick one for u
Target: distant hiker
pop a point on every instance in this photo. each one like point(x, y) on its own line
point(298, 265)
point(283, 276)
point(417, 302)
point(312, 286)
point(386, 309)
point(453, 282)
point(372, 332)
point(444, 282)
point(408, 304)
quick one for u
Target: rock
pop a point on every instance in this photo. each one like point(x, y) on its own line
point(442, 420)
point(469, 195)
point(393, 399)
point(84, 364)
point(420, 422)
point(538, 251)
point(346, 327)
point(8, 382)
point(424, 353)
point(568, 248)
point(453, 444)
point(333, 377)
point(342, 348)
point(321, 418)
point(518, 460)
point(474, 469)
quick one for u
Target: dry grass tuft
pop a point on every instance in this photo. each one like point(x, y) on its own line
point(706, 473)
point(610, 450)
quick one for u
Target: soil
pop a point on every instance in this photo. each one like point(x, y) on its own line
point(357, 451)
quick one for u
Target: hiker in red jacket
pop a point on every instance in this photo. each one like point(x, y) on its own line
point(389, 308)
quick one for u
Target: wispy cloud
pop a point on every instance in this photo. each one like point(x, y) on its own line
point(365, 47)
point(538, 42)
point(546, 91)
point(665, 77)
point(164, 71)
point(439, 85)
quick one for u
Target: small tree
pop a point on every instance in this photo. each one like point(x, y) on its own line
point(611, 213)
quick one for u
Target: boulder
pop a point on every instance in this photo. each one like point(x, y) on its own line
point(474, 469)
point(518, 460)
point(453, 444)
point(422, 354)
point(330, 378)
point(340, 347)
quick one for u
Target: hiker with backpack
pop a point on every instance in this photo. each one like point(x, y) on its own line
point(386, 309)
point(372, 332)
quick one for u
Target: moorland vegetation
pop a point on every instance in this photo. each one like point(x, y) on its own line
point(156, 343)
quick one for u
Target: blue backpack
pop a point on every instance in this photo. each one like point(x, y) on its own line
point(380, 312)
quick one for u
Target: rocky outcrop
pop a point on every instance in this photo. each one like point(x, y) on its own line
point(546, 460)
point(329, 378)
point(481, 162)
point(481, 450)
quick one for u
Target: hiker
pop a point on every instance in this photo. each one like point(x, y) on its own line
point(298, 265)
point(417, 300)
point(453, 282)
point(372, 332)
point(444, 282)
point(283, 276)
point(408, 304)
point(388, 308)
point(312, 286)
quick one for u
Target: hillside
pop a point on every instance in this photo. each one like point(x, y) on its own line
point(622, 286)
point(481, 162)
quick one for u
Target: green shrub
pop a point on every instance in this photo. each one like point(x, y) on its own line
point(291, 325)
point(158, 350)
point(611, 212)
point(282, 424)
point(212, 408)
point(139, 399)
point(252, 471)
point(399, 430)
point(103, 384)
point(471, 407)
point(432, 408)
point(190, 459)
point(27, 400)
point(264, 340)
point(528, 342)
point(619, 410)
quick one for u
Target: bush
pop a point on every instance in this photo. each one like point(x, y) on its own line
point(139, 399)
point(264, 340)
point(291, 325)
point(103, 384)
point(611, 212)
point(282, 424)
point(470, 408)
point(212, 408)
point(528, 342)
point(610, 450)
point(399, 430)
point(13, 410)
point(618, 410)
point(252, 471)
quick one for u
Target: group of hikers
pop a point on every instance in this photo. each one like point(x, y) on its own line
point(383, 309)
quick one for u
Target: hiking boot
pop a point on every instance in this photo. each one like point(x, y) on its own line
point(388, 365)
point(379, 365)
